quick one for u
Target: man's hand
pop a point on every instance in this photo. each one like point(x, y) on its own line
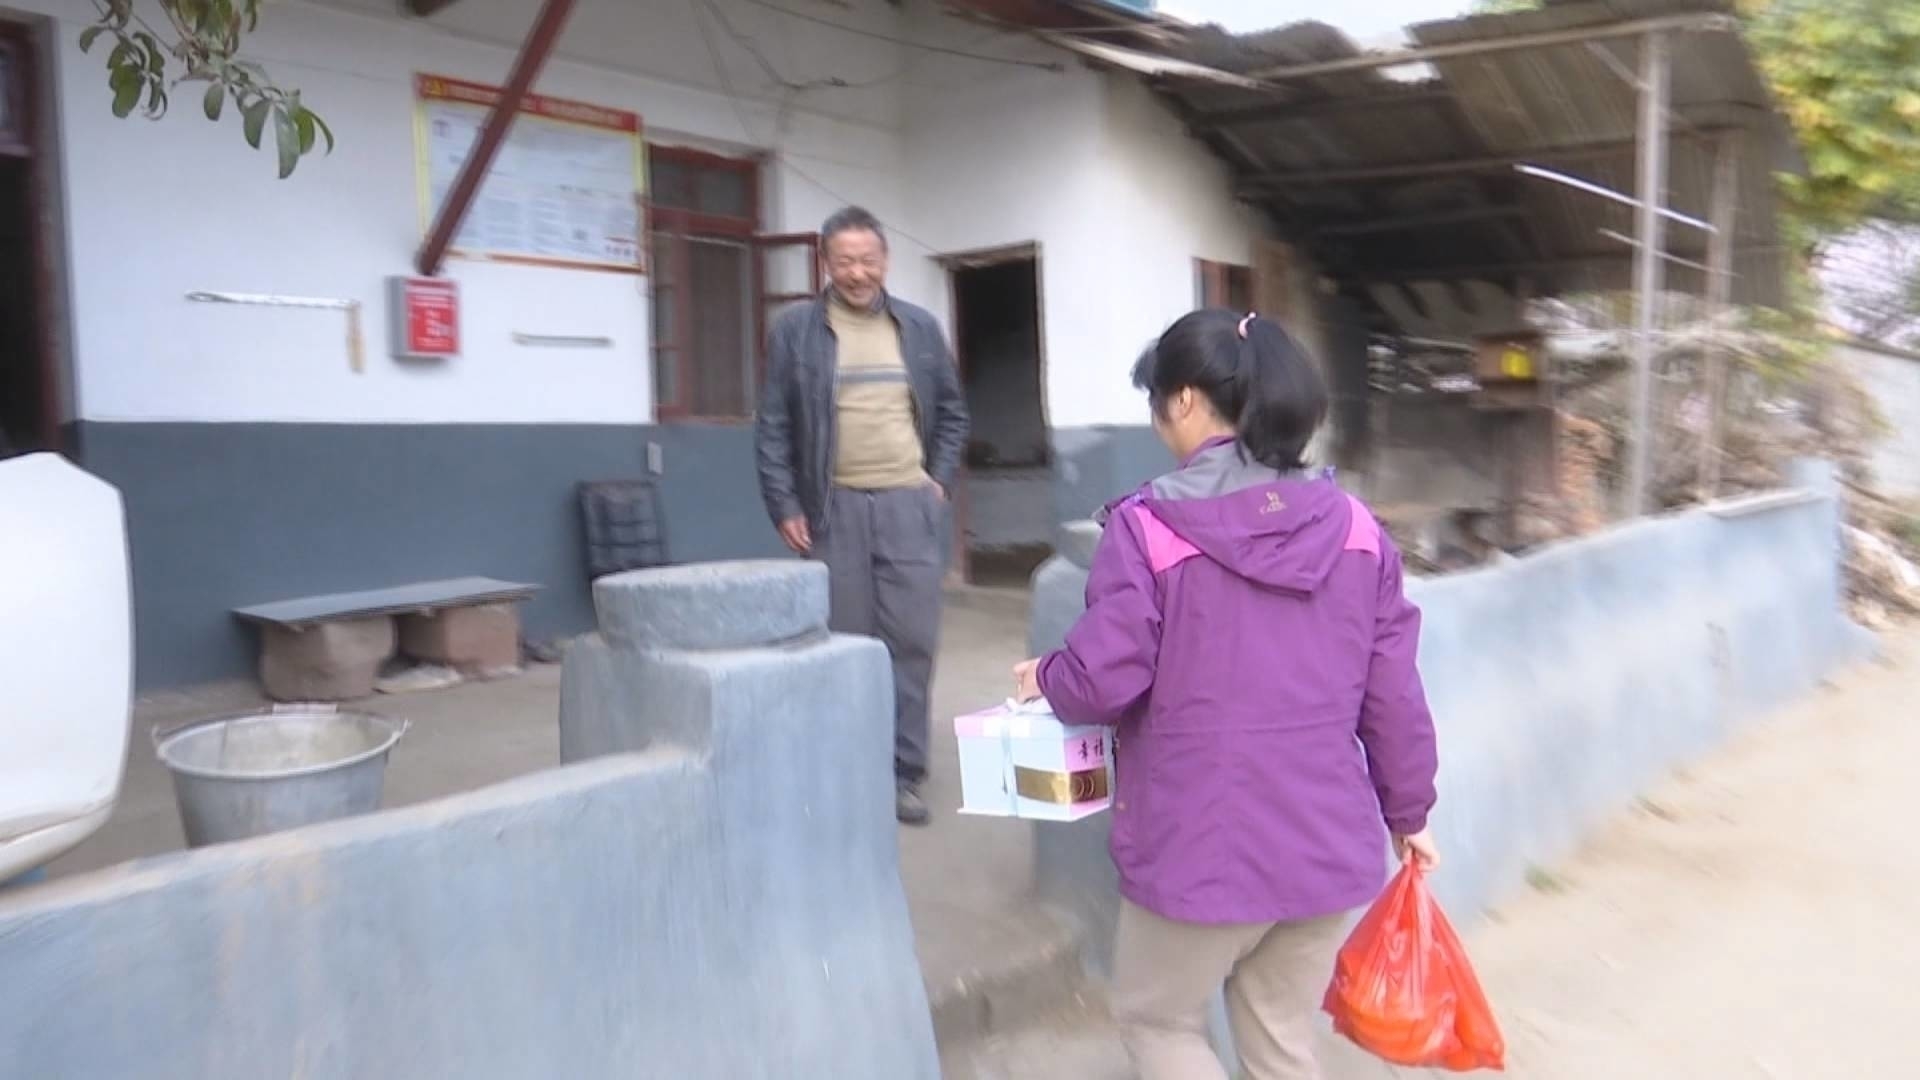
point(1419, 848)
point(1026, 681)
point(795, 534)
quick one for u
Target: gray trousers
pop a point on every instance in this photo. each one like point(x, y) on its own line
point(883, 551)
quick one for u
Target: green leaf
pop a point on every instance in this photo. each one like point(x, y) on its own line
point(90, 35)
point(156, 55)
point(127, 85)
point(325, 131)
point(216, 98)
point(256, 121)
point(303, 122)
point(286, 138)
point(121, 54)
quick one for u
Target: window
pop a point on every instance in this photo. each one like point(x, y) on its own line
point(1223, 285)
point(701, 221)
point(716, 281)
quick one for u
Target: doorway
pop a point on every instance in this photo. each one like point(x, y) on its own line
point(1007, 515)
point(34, 392)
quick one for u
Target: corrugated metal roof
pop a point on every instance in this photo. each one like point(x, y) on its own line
point(1391, 180)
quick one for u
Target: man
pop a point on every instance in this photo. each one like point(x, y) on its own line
point(859, 435)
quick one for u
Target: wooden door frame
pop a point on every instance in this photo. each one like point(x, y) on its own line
point(32, 40)
point(982, 259)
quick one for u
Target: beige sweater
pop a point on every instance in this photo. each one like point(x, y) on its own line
point(878, 443)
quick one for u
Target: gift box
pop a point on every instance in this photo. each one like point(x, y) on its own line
point(1021, 761)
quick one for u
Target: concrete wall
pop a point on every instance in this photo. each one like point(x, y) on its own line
point(726, 903)
point(1565, 682)
point(1892, 380)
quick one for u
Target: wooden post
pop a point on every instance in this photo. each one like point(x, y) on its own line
point(526, 66)
point(1648, 269)
point(1725, 214)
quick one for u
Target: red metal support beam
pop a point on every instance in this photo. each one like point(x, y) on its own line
point(526, 67)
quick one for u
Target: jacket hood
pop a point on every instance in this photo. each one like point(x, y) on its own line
point(1281, 531)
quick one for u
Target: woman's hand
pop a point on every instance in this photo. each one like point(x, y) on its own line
point(1419, 848)
point(1026, 681)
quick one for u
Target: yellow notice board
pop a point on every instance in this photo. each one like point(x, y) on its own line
point(564, 189)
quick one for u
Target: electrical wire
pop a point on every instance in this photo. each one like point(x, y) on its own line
point(943, 50)
point(747, 126)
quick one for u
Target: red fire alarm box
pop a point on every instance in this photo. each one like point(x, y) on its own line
point(425, 313)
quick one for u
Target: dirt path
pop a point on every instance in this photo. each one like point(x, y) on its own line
point(1756, 917)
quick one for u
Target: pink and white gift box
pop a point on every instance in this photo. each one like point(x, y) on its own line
point(1021, 761)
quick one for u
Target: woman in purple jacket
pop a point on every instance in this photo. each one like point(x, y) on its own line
point(1247, 633)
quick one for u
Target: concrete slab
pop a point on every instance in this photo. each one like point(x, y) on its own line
point(984, 947)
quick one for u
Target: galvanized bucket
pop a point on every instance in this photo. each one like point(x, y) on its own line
point(262, 772)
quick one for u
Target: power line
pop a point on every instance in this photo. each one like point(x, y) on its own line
point(747, 127)
point(1042, 65)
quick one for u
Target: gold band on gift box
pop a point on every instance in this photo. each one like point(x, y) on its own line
point(1060, 788)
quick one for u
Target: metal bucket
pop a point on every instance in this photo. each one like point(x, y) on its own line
point(262, 772)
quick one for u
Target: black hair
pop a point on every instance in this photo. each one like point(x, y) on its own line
point(1263, 383)
point(852, 219)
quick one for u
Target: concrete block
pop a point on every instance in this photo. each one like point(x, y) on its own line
point(731, 663)
point(1076, 541)
point(713, 605)
point(478, 639)
point(333, 661)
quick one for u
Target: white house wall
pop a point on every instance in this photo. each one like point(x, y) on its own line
point(161, 209)
point(1104, 179)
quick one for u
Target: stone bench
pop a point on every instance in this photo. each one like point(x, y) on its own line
point(331, 647)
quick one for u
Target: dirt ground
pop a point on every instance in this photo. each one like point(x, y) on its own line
point(1758, 916)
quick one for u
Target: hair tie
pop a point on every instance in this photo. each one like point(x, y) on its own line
point(1246, 322)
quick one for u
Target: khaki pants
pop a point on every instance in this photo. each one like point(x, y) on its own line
point(1165, 974)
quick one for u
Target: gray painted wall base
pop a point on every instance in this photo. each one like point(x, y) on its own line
point(221, 516)
point(228, 515)
point(726, 904)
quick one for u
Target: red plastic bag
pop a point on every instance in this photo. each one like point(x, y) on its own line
point(1403, 990)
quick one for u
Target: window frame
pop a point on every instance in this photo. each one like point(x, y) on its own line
point(685, 225)
point(1213, 284)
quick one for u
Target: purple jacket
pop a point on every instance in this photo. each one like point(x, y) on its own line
point(1248, 634)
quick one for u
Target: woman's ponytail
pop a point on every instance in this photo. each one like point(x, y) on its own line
point(1253, 374)
point(1286, 399)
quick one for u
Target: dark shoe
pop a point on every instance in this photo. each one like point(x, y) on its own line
point(909, 807)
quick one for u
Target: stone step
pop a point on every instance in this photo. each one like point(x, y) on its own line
point(998, 974)
point(1077, 1040)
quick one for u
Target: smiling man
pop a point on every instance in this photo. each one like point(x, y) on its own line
point(859, 435)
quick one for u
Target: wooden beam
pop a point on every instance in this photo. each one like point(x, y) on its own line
point(1562, 153)
point(1454, 271)
point(1416, 222)
point(1725, 213)
point(1649, 270)
point(526, 66)
point(1580, 35)
point(1278, 112)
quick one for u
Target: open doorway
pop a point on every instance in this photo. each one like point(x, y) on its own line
point(33, 392)
point(1007, 502)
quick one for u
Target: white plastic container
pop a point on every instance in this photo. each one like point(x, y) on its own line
point(66, 658)
point(1020, 761)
